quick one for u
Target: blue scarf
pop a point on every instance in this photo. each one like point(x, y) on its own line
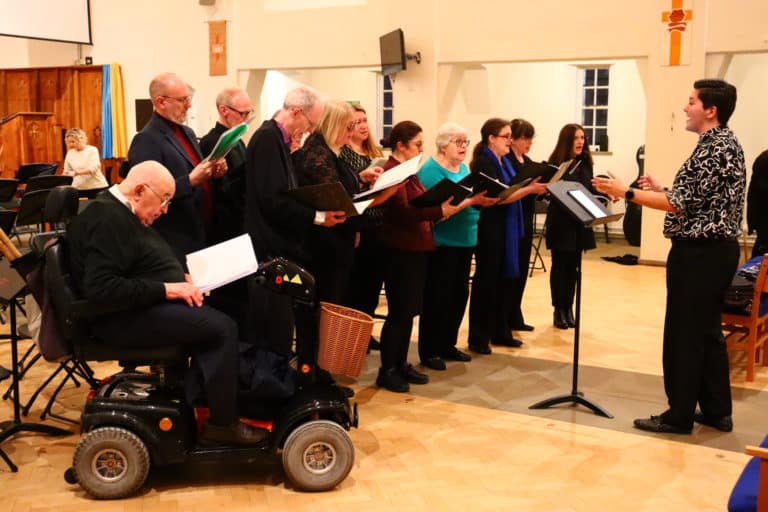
point(514, 229)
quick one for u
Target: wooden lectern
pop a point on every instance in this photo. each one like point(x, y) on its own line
point(25, 138)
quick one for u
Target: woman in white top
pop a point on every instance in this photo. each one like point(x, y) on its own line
point(82, 162)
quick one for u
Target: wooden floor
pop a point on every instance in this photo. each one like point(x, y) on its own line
point(416, 453)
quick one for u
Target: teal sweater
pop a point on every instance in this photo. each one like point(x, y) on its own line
point(459, 230)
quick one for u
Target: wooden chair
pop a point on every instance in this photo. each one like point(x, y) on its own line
point(748, 331)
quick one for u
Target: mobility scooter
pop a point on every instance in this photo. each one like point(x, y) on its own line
point(137, 420)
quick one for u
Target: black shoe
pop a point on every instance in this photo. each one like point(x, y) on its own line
point(722, 423)
point(569, 320)
point(373, 344)
point(559, 319)
point(236, 433)
point(484, 349)
point(434, 362)
point(392, 380)
point(455, 354)
point(346, 391)
point(507, 342)
point(523, 328)
point(655, 424)
point(414, 376)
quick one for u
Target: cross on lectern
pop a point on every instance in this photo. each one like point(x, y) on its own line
point(676, 21)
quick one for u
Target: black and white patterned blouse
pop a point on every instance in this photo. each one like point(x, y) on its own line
point(708, 190)
point(355, 160)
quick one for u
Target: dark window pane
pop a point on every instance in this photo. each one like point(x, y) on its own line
point(589, 97)
point(388, 99)
point(387, 117)
point(587, 117)
point(387, 83)
point(601, 138)
point(589, 77)
point(602, 97)
point(387, 130)
point(602, 77)
point(601, 117)
point(589, 135)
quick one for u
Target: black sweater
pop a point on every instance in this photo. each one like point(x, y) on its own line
point(116, 260)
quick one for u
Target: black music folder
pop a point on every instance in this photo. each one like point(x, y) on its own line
point(328, 197)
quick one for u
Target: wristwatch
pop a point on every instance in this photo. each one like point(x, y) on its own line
point(629, 194)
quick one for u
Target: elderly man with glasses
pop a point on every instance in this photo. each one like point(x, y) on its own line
point(167, 140)
point(228, 193)
point(278, 223)
point(118, 261)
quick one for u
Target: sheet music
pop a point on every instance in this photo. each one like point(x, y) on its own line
point(222, 263)
point(394, 176)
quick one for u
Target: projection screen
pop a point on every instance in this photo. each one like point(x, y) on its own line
point(55, 20)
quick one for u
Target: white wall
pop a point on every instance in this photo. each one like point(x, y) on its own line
point(749, 73)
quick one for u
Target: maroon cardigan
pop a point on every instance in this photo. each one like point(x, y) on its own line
point(407, 227)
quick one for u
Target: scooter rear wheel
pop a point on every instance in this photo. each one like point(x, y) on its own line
point(318, 455)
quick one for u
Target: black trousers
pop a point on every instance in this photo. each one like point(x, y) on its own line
point(695, 357)
point(516, 318)
point(490, 297)
point(445, 299)
point(209, 334)
point(368, 273)
point(562, 278)
point(405, 278)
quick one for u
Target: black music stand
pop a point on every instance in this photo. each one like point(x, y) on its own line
point(586, 209)
point(12, 288)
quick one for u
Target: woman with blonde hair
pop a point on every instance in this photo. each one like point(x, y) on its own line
point(82, 162)
point(331, 250)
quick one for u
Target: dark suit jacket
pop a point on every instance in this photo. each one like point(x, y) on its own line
point(182, 226)
point(276, 222)
point(228, 192)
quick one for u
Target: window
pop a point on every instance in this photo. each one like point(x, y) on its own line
point(387, 107)
point(594, 106)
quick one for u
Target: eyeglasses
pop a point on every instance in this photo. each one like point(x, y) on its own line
point(164, 203)
point(508, 137)
point(351, 126)
point(312, 125)
point(461, 143)
point(246, 113)
point(184, 100)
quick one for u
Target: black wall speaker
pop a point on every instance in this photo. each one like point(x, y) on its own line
point(143, 113)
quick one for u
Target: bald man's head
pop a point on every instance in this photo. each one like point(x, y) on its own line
point(171, 97)
point(149, 187)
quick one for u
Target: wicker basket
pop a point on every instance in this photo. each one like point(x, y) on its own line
point(344, 335)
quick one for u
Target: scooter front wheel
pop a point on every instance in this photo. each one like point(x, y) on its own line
point(110, 463)
point(318, 455)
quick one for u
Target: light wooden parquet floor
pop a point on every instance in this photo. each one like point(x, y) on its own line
point(419, 453)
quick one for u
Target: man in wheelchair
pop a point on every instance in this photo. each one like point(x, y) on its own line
point(118, 260)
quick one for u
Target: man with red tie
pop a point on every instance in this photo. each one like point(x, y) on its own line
point(167, 140)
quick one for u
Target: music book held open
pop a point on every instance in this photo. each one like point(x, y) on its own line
point(222, 263)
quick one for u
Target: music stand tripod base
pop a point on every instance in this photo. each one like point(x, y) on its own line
point(574, 398)
point(584, 208)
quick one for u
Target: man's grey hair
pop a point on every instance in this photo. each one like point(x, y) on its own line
point(303, 97)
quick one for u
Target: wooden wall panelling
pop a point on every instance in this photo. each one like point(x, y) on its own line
point(89, 85)
point(3, 96)
point(22, 90)
point(49, 93)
